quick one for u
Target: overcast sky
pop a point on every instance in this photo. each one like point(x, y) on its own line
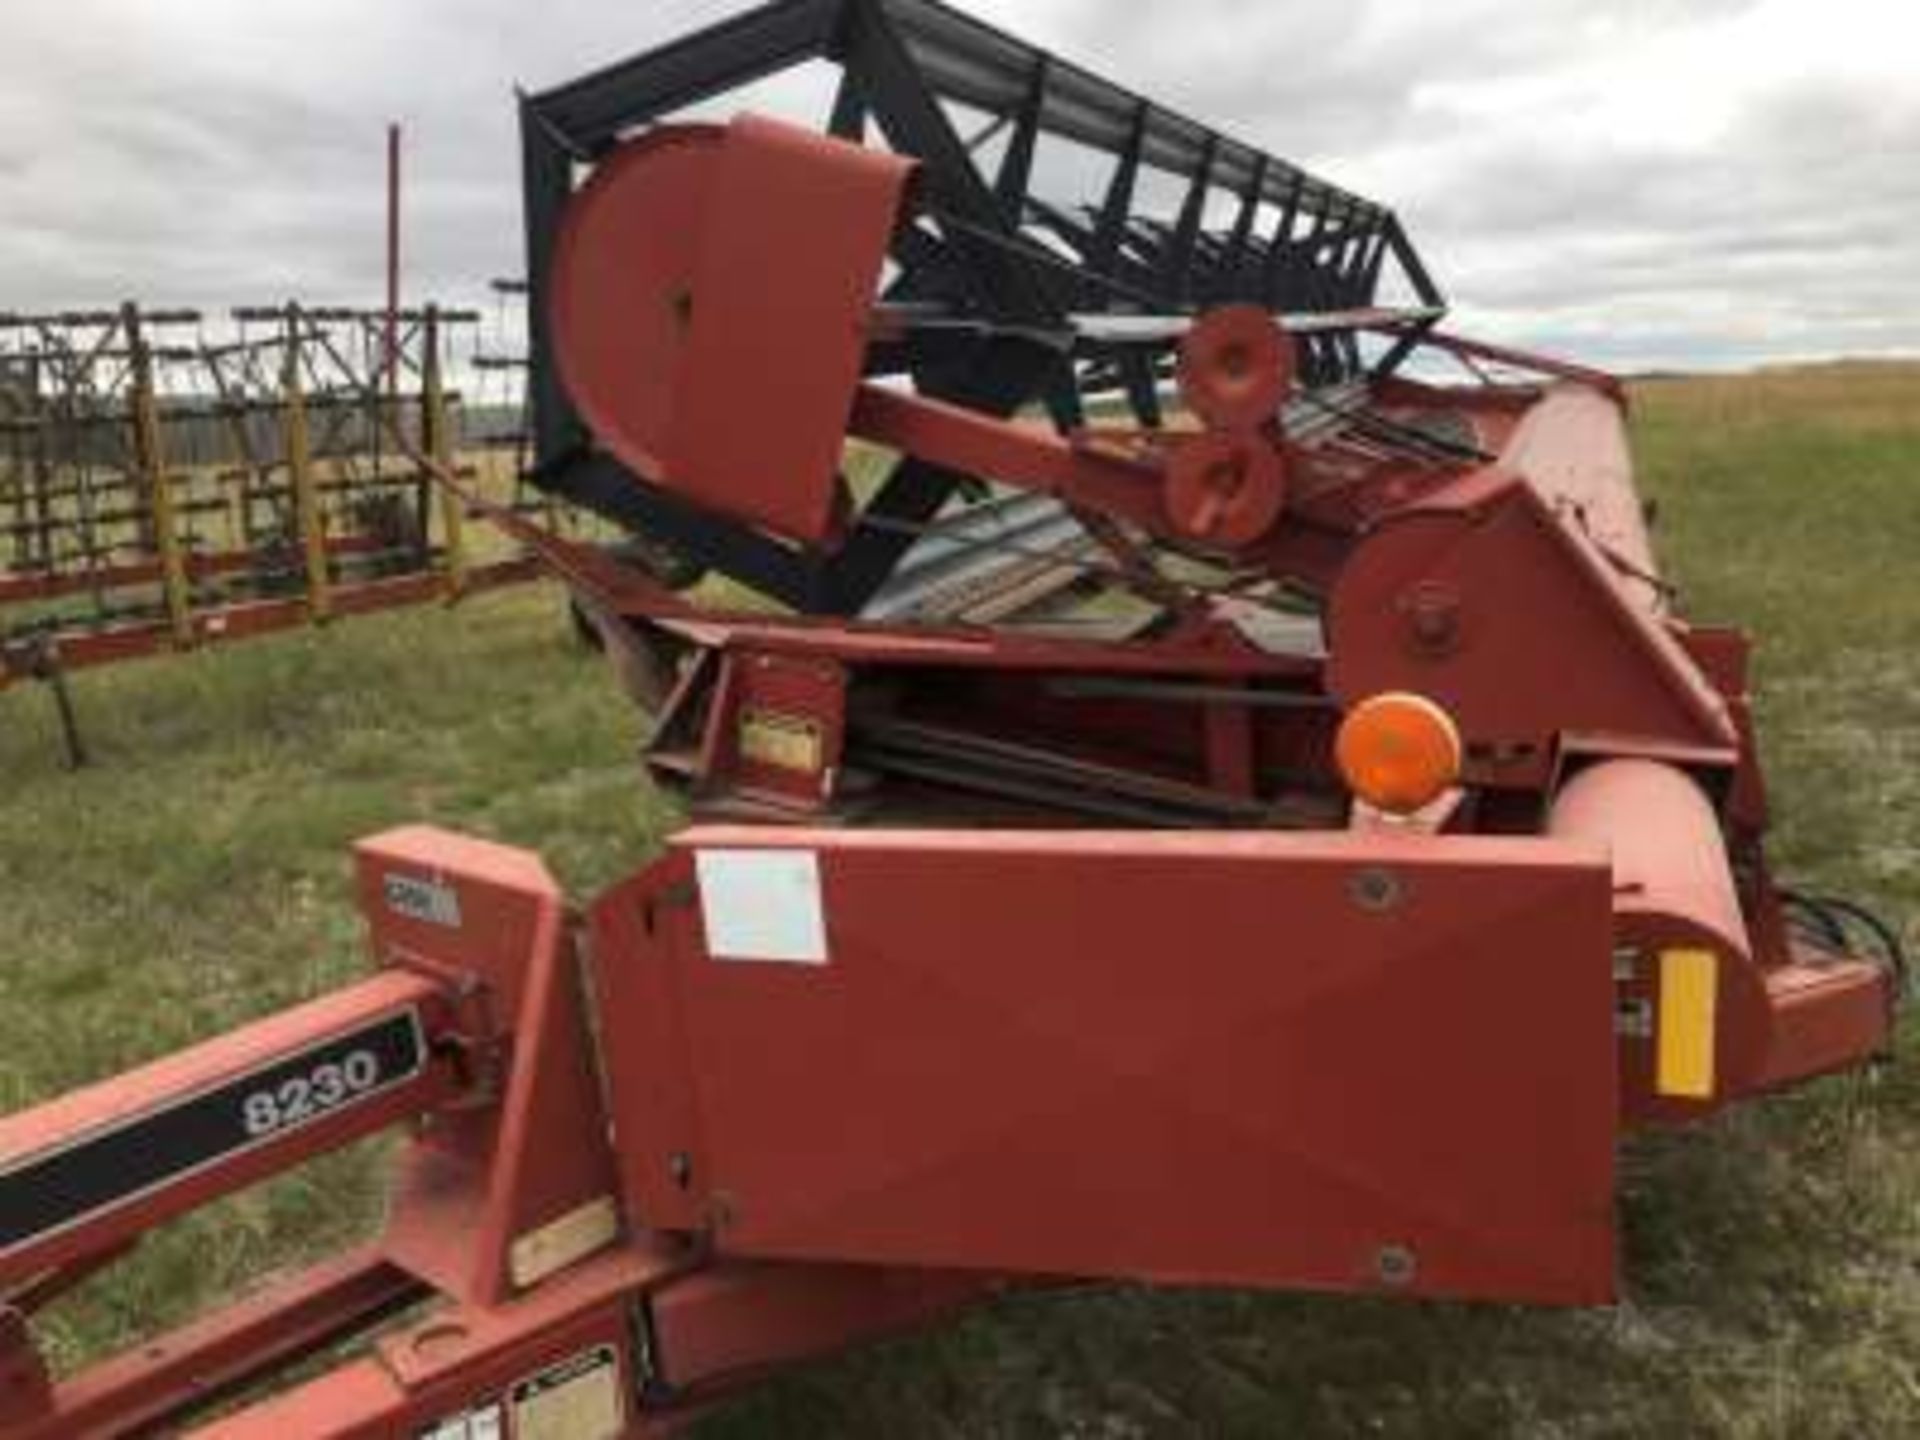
point(1630, 181)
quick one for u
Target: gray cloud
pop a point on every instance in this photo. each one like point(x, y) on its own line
point(1639, 181)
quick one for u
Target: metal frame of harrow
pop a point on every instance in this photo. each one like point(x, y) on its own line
point(163, 490)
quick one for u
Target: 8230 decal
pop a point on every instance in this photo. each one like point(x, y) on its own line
point(54, 1189)
point(299, 1098)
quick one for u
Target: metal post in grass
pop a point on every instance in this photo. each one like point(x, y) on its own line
point(299, 444)
point(436, 438)
point(37, 657)
point(150, 457)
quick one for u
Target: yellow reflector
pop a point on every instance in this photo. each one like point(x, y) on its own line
point(1689, 981)
point(1398, 752)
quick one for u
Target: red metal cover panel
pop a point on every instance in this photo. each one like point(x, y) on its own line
point(792, 243)
point(1533, 634)
point(710, 298)
point(620, 284)
point(1328, 1061)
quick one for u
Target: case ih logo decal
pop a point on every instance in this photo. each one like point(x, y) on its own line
point(433, 901)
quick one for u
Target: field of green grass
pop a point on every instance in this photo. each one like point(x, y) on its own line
point(196, 876)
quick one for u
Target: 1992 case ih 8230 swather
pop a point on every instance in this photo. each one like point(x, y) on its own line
point(1322, 928)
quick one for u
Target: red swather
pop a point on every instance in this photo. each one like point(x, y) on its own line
point(996, 958)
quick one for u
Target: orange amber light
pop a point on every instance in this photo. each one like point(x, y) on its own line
point(1398, 752)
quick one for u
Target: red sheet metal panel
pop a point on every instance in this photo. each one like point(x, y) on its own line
point(1482, 596)
point(1350, 1062)
point(1675, 892)
point(1827, 1013)
point(792, 245)
point(482, 1198)
point(717, 351)
point(618, 333)
point(1572, 447)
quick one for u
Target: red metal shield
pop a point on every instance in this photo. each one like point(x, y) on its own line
point(1330, 1061)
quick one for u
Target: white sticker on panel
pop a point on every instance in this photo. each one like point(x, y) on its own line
point(762, 905)
point(578, 1399)
point(483, 1423)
